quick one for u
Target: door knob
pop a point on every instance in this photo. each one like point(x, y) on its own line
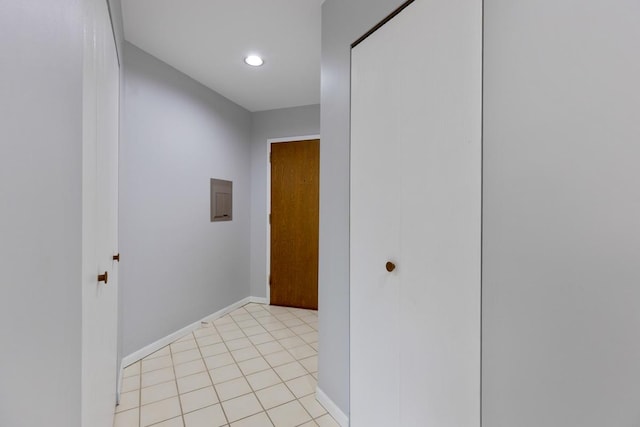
point(103, 277)
point(116, 257)
point(390, 266)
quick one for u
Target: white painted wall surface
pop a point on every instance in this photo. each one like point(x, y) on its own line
point(286, 122)
point(40, 212)
point(561, 285)
point(177, 267)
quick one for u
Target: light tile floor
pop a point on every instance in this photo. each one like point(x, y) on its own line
point(254, 367)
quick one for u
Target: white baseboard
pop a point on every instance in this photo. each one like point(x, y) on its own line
point(258, 300)
point(163, 342)
point(332, 408)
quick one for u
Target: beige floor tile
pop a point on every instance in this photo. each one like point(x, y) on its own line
point(268, 320)
point(177, 347)
point(310, 363)
point(209, 340)
point(269, 347)
point(291, 323)
point(282, 334)
point(211, 416)
point(274, 396)
point(251, 366)
point(229, 327)
point(232, 335)
point(327, 421)
point(279, 358)
point(261, 338)
point(248, 323)
point(131, 370)
point(239, 317)
point(204, 331)
point(225, 373)
point(291, 342)
point(302, 386)
point(242, 317)
point(302, 329)
point(193, 382)
point(289, 415)
point(303, 352)
point(156, 363)
point(234, 388)
point(285, 316)
point(219, 360)
point(245, 353)
point(164, 351)
point(313, 407)
point(258, 420)
point(186, 356)
point(310, 337)
point(198, 399)
point(173, 422)
point(260, 314)
point(212, 350)
point(130, 384)
point(127, 418)
point(158, 392)
point(263, 379)
point(314, 345)
point(158, 376)
point(254, 330)
point(223, 320)
point(309, 424)
point(290, 371)
point(238, 343)
point(186, 337)
point(128, 401)
point(159, 411)
point(275, 326)
point(190, 368)
point(241, 407)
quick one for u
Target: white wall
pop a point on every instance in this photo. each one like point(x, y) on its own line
point(286, 122)
point(561, 250)
point(177, 266)
point(40, 212)
point(342, 23)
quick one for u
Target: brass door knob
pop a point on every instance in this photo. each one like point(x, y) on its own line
point(116, 257)
point(103, 277)
point(390, 266)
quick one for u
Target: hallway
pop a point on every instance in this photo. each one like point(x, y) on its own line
point(256, 366)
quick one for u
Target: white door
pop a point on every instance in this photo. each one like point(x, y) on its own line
point(415, 202)
point(100, 207)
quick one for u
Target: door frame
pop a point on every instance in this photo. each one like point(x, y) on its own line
point(269, 142)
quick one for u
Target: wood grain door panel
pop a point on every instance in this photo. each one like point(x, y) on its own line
point(295, 170)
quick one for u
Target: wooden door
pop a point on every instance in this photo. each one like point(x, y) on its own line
point(295, 171)
point(415, 202)
point(99, 218)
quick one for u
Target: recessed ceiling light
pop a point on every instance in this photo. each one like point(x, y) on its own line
point(254, 60)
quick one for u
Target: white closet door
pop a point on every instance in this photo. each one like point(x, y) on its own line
point(415, 200)
point(100, 219)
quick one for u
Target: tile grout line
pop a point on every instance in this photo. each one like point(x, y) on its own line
point(244, 376)
point(284, 382)
point(175, 380)
point(213, 385)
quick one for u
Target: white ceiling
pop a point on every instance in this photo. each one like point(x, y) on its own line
point(208, 40)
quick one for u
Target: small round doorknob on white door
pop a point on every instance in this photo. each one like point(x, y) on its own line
point(390, 266)
point(103, 277)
